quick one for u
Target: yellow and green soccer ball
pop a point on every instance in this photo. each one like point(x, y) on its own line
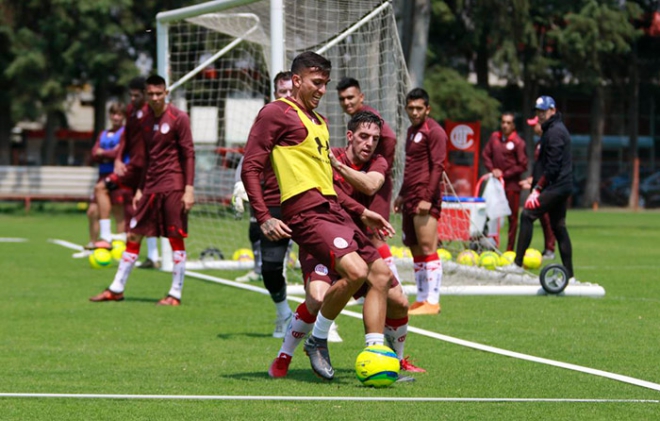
point(468, 258)
point(100, 258)
point(532, 259)
point(118, 248)
point(489, 260)
point(243, 255)
point(377, 366)
point(444, 255)
point(507, 258)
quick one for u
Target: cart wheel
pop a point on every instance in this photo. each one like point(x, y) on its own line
point(554, 278)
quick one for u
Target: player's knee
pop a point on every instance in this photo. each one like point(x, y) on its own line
point(379, 275)
point(272, 266)
point(397, 303)
point(313, 303)
point(133, 237)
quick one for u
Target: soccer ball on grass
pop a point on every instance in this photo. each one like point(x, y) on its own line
point(532, 259)
point(377, 366)
point(100, 258)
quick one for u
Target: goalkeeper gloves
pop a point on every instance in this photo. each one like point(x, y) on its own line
point(237, 198)
point(532, 201)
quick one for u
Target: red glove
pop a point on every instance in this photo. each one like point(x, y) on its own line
point(532, 201)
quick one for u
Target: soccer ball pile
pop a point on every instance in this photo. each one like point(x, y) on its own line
point(532, 259)
point(489, 260)
point(243, 255)
point(377, 366)
point(118, 248)
point(468, 258)
point(444, 255)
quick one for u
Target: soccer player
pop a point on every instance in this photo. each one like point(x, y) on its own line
point(166, 191)
point(270, 256)
point(351, 99)
point(296, 140)
point(360, 174)
point(127, 173)
point(552, 184)
point(420, 199)
point(505, 157)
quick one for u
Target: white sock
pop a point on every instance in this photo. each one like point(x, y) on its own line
point(420, 280)
point(283, 309)
point(121, 236)
point(434, 277)
point(152, 249)
point(125, 267)
point(396, 338)
point(374, 339)
point(178, 272)
point(105, 231)
point(390, 264)
point(321, 327)
point(295, 334)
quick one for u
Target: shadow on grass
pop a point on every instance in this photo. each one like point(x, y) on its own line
point(342, 376)
point(245, 334)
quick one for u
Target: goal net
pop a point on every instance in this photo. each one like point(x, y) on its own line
point(219, 71)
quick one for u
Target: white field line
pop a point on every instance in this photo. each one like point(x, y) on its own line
point(67, 244)
point(456, 341)
point(314, 398)
point(13, 240)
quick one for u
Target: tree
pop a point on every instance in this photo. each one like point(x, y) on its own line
point(595, 44)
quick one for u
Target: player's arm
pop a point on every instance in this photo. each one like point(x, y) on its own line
point(369, 218)
point(368, 183)
point(97, 151)
point(554, 151)
point(120, 167)
point(437, 144)
point(187, 157)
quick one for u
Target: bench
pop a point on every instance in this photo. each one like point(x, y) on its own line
point(46, 183)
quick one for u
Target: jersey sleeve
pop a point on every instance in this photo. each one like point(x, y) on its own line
point(437, 143)
point(186, 148)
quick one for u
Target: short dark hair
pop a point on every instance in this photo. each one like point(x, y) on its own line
point(310, 60)
point(511, 113)
point(137, 84)
point(418, 93)
point(116, 108)
point(156, 80)
point(362, 118)
point(347, 82)
point(282, 76)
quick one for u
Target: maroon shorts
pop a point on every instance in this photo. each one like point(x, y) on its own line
point(129, 181)
point(327, 232)
point(117, 197)
point(407, 222)
point(382, 200)
point(160, 215)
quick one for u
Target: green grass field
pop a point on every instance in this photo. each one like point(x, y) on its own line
point(52, 340)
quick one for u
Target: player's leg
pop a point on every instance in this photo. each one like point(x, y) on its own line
point(557, 216)
point(428, 266)
point(396, 325)
point(153, 257)
point(273, 260)
point(548, 237)
point(92, 223)
point(118, 215)
point(175, 228)
point(513, 197)
point(115, 291)
point(102, 192)
point(527, 218)
point(255, 236)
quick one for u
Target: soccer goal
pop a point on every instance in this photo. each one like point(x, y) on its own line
point(219, 59)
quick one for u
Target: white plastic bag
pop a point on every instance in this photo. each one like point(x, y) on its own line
point(497, 206)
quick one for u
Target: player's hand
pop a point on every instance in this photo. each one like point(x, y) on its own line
point(120, 168)
point(526, 183)
point(532, 201)
point(497, 173)
point(377, 223)
point(275, 230)
point(237, 198)
point(333, 160)
point(136, 198)
point(188, 198)
point(423, 207)
point(398, 202)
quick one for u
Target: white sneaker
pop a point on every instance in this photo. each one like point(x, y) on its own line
point(333, 334)
point(512, 268)
point(251, 276)
point(281, 325)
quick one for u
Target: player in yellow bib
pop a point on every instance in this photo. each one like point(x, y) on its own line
point(295, 138)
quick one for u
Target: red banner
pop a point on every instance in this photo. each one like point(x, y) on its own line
point(462, 164)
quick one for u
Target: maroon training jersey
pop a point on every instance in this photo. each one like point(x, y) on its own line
point(507, 155)
point(132, 140)
point(426, 151)
point(170, 157)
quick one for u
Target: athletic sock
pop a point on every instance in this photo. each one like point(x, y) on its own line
point(321, 327)
point(128, 259)
point(396, 331)
point(178, 273)
point(419, 267)
point(301, 324)
point(152, 249)
point(386, 254)
point(434, 277)
point(105, 231)
point(283, 309)
point(374, 339)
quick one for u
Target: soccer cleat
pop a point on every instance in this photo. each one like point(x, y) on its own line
point(102, 244)
point(107, 295)
point(548, 255)
point(281, 325)
point(280, 366)
point(169, 301)
point(416, 304)
point(333, 334)
point(251, 276)
point(425, 308)
point(512, 269)
point(317, 351)
point(149, 264)
point(407, 365)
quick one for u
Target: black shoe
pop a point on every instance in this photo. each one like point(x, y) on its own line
point(317, 351)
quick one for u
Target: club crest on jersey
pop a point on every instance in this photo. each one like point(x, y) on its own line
point(139, 114)
point(510, 145)
point(133, 223)
point(418, 138)
point(340, 243)
point(321, 269)
point(165, 128)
